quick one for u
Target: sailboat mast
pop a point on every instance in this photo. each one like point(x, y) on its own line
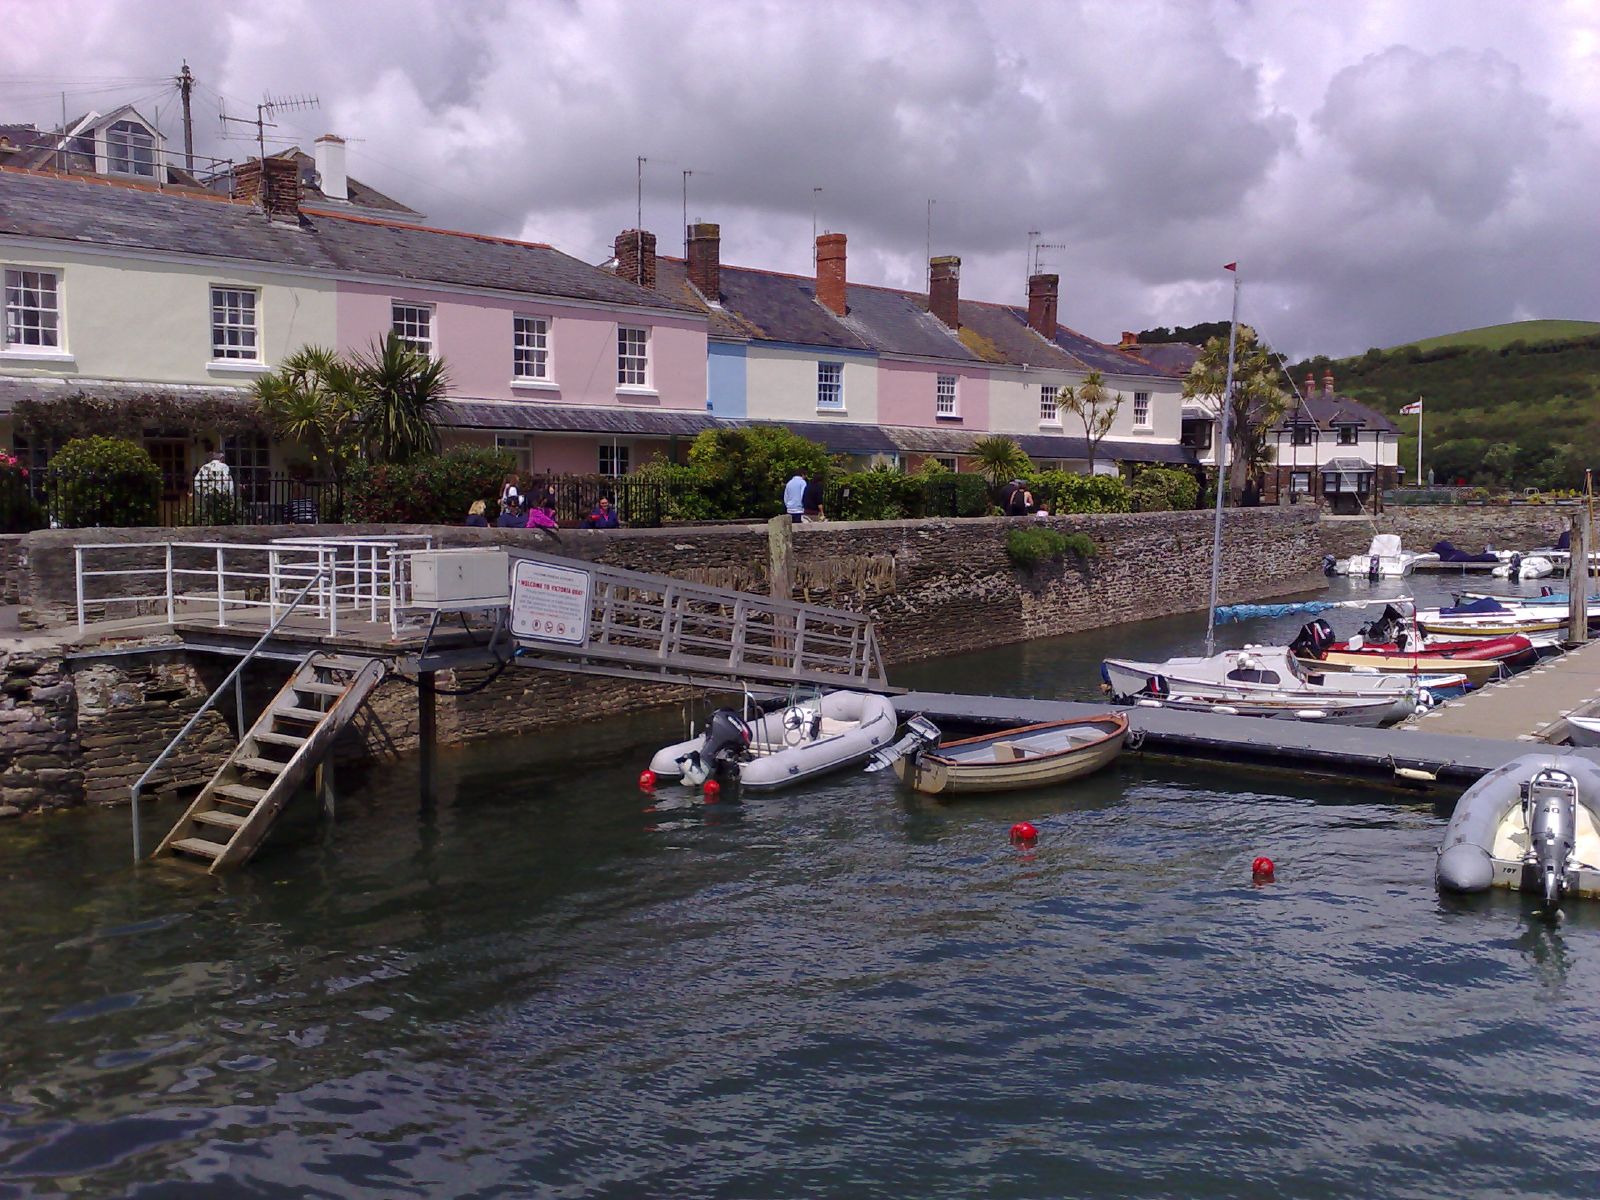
point(1222, 471)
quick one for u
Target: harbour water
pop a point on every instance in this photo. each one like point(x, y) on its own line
point(544, 983)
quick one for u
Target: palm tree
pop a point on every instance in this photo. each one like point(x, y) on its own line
point(1258, 401)
point(316, 400)
point(403, 389)
point(999, 458)
point(1093, 404)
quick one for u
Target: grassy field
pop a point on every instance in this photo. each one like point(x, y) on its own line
point(1493, 337)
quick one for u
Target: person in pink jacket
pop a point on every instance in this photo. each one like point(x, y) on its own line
point(542, 516)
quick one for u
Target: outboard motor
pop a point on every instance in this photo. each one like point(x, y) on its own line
point(921, 734)
point(727, 737)
point(1515, 571)
point(1314, 639)
point(1374, 567)
point(1329, 562)
point(1550, 807)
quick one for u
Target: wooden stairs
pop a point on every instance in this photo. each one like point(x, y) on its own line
point(235, 810)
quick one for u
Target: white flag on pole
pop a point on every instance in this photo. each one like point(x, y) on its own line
point(1412, 410)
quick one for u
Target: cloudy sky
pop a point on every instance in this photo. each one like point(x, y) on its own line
point(1382, 171)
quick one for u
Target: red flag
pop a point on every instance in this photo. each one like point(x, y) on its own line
point(1233, 266)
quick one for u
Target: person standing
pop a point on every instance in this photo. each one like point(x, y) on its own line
point(812, 500)
point(794, 496)
point(213, 491)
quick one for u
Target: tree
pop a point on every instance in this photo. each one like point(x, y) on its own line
point(1094, 405)
point(744, 470)
point(999, 459)
point(315, 399)
point(1258, 401)
point(402, 389)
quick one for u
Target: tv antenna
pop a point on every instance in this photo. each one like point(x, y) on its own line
point(1038, 252)
point(270, 106)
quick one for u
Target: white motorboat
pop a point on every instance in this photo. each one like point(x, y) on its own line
point(807, 738)
point(1328, 710)
point(1532, 825)
point(1583, 731)
point(1499, 616)
point(1384, 559)
point(1256, 672)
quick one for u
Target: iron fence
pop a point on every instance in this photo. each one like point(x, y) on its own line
point(77, 499)
point(639, 501)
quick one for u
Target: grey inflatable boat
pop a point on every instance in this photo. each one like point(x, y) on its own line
point(1533, 825)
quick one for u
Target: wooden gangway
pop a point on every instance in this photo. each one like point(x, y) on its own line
point(237, 808)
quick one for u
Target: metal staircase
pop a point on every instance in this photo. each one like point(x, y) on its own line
point(234, 811)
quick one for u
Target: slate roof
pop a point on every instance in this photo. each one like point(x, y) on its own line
point(1329, 412)
point(50, 387)
point(567, 418)
point(773, 306)
point(95, 211)
point(1169, 356)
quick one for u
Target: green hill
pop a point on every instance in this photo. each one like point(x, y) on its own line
point(1493, 337)
point(1505, 406)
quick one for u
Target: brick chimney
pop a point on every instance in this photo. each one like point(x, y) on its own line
point(705, 259)
point(1129, 340)
point(944, 289)
point(272, 183)
point(830, 272)
point(1043, 291)
point(636, 256)
point(1327, 382)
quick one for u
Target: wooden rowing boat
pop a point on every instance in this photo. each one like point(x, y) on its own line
point(1477, 670)
point(1030, 756)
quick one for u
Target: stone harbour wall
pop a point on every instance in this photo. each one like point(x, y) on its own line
point(1468, 526)
point(40, 762)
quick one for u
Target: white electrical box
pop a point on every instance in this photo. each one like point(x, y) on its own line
point(460, 579)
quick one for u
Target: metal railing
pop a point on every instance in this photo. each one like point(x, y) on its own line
point(234, 677)
point(358, 577)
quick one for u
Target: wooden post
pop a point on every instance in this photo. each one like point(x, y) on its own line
point(325, 788)
point(780, 550)
point(427, 730)
point(1578, 583)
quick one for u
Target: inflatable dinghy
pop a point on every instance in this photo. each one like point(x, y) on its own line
point(1532, 825)
point(783, 747)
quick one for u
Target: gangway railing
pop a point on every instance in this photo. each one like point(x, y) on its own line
point(229, 583)
point(651, 626)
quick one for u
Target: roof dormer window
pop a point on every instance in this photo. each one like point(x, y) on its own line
point(130, 149)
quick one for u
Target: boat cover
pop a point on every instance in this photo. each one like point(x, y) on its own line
point(1483, 604)
point(1449, 553)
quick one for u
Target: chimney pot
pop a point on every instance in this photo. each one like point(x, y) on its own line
point(705, 259)
point(944, 289)
point(831, 273)
point(1043, 293)
point(331, 177)
point(1129, 339)
point(635, 250)
point(1327, 381)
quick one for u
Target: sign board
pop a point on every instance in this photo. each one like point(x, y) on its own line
point(550, 603)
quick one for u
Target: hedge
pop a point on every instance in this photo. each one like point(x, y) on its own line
point(103, 481)
point(434, 489)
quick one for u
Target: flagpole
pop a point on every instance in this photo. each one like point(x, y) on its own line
point(1222, 464)
point(1421, 407)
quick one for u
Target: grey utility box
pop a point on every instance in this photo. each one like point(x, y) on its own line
point(452, 579)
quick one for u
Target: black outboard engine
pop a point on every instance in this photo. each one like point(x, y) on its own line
point(1515, 571)
point(1314, 639)
point(1550, 807)
point(727, 738)
point(1328, 564)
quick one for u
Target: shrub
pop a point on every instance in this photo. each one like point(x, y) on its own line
point(1031, 546)
point(879, 494)
point(434, 489)
point(744, 470)
point(947, 494)
point(18, 512)
point(1069, 492)
point(103, 481)
point(1163, 489)
point(687, 496)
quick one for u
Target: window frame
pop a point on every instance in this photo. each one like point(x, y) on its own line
point(538, 346)
point(1296, 480)
point(1148, 420)
point(948, 461)
point(129, 147)
point(425, 345)
point(942, 394)
point(1054, 393)
point(53, 349)
point(1304, 434)
point(620, 457)
point(219, 349)
point(625, 359)
point(1349, 435)
point(834, 387)
point(249, 459)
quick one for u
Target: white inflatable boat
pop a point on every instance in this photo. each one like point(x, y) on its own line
point(783, 747)
point(1384, 559)
point(1533, 825)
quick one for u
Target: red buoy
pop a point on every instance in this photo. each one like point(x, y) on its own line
point(1024, 834)
point(713, 789)
point(647, 780)
point(1261, 870)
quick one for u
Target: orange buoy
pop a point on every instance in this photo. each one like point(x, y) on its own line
point(1024, 834)
point(1261, 870)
